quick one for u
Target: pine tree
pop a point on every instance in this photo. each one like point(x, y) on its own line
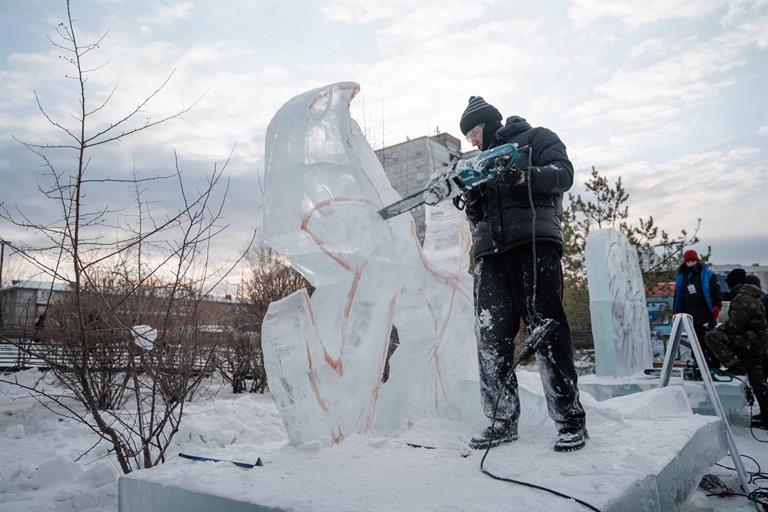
point(658, 252)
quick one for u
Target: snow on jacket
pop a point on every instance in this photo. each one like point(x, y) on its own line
point(699, 305)
point(500, 210)
point(746, 312)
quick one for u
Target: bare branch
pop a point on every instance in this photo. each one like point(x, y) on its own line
point(109, 97)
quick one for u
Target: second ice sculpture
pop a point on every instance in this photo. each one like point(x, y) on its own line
point(617, 305)
point(325, 354)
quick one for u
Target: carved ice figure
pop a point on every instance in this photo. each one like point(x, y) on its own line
point(617, 305)
point(324, 355)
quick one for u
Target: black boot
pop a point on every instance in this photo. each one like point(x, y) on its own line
point(499, 432)
point(570, 439)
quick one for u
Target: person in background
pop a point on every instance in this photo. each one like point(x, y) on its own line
point(698, 294)
point(754, 280)
point(742, 341)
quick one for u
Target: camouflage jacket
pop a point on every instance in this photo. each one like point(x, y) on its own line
point(746, 312)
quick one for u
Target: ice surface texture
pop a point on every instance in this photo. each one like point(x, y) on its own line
point(325, 354)
point(617, 305)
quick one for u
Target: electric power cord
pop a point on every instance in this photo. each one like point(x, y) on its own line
point(759, 496)
point(749, 396)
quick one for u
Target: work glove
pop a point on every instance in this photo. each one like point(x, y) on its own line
point(472, 205)
point(516, 171)
point(437, 189)
point(514, 177)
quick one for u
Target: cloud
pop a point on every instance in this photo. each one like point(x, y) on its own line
point(666, 81)
point(718, 187)
point(740, 12)
point(689, 76)
point(273, 72)
point(431, 22)
point(360, 12)
point(164, 15)
point(422, 81)
point(660, 47)
point(583, 13)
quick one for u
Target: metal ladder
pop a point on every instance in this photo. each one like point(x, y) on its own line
point(682, 321)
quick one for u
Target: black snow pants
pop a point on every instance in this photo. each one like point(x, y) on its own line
point(503, 294)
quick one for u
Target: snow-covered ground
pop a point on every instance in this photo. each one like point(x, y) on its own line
point(43, 469)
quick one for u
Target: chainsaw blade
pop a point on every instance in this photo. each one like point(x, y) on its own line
point(405, 204)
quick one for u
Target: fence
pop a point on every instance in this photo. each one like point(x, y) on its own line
point(22, 349)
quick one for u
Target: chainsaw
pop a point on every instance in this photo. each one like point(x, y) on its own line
point(462, 176)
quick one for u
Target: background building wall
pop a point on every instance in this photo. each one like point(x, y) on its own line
point(409, 165)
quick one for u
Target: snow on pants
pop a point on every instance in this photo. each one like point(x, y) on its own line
point(503, 294)
point(748, 348)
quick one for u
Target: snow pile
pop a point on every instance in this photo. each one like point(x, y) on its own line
point(38, 450)
point(43, 469)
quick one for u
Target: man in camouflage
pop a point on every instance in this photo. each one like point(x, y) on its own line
point(742, 341)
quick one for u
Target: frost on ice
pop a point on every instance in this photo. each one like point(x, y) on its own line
point(617, 305)
point(325, 354)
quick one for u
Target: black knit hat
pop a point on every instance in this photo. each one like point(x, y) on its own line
point(752, 279)
point(735, 276)
point(477, 112)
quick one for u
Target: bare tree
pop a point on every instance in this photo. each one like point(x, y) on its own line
point(268, 278)
point(128, 384)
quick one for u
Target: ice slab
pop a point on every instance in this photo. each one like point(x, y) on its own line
point(619, 314)
point(325, 354)
point(731, 393)
point(640, 458)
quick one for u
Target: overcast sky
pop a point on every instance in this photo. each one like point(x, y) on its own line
point(670, 95)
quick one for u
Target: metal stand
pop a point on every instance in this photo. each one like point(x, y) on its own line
point(683, 321)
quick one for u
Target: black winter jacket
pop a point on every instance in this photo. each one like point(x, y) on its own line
point(500, 211)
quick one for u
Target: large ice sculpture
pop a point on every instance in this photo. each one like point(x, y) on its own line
point(617, 305)
point(325, 354)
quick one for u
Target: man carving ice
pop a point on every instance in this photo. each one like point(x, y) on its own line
point(501, 217)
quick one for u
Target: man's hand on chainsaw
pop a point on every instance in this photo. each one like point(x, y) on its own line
point(437, 190)
point(439, 187)
point(513, 177)
point(515, 171)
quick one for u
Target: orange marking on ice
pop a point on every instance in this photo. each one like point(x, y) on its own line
point(313, 380)
point(337, 437)
point(348, 306)
point(335, 364)
point(382, 362)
